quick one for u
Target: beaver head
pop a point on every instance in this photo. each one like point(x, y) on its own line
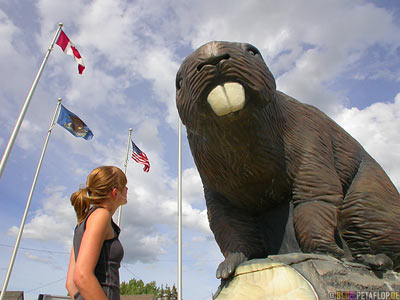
point(226, 96)
point(218, 81)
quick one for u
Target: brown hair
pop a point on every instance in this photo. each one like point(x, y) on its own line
point(98, 185)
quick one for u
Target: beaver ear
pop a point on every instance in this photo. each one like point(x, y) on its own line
point(178, 81)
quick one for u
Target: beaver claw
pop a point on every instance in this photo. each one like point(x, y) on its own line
point(378, 262)
point(228, 266)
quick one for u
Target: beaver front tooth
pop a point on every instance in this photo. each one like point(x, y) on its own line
point(218, 101)
point(235, 95)
point(227, 98)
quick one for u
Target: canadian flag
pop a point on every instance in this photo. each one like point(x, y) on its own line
point(68, 47)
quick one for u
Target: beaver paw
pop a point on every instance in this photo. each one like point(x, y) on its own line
point(378, 262)
point(228, 266)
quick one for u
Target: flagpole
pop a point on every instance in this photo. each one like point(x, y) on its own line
point(125, 167)
point(180, 210)
point(28, 203)
point(26, 104)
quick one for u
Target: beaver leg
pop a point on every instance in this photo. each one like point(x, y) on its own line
point(369, 218)
point(317, 197)
point(315, 225)
point(234, 230)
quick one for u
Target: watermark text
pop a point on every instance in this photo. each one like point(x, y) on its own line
point(375, 295)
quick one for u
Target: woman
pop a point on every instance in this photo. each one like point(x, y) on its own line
point(93, 272)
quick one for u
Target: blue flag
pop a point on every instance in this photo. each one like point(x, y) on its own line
point(73, 124)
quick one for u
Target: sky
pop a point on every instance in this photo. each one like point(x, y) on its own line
point(341, 56)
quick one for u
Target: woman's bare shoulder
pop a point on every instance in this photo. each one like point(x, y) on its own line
point(99, 216)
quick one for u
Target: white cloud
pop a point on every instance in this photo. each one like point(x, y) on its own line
point(335, 50)
point(53, 222)
point(29, 130)
point(41, 259)
point(376, 128)
point(144, 246)
point(192, 187)
point(159, 66)
point(16, 70)
point(198, 239)
point(195, 219)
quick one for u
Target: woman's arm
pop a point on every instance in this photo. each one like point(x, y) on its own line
point(89, 251)
point(70, 285)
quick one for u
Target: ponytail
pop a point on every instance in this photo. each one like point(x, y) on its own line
point(98, 185)
point(80, 200)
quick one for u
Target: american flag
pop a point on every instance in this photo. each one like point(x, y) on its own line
point(140, 157)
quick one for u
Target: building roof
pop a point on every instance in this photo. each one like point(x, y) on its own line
point(14, 295)
point(138, 297)
point(52, 297)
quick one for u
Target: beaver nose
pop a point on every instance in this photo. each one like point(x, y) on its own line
point(211, 54)
point(214, 60)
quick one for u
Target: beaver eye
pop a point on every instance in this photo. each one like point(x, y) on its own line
point(252, 50)
point(178, 82)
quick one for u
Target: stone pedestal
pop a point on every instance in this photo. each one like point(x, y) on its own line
point(307, 277)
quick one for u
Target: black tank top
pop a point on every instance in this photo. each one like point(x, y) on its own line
point(107, 268)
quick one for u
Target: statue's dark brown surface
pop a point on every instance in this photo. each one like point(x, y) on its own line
point(280, 176)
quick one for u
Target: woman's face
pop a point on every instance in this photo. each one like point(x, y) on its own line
point(122, 196)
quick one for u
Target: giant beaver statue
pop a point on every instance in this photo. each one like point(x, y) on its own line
point(280, 176)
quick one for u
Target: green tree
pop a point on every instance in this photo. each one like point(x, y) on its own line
point(138, 287)
point(168, 292)
point(174, 292)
